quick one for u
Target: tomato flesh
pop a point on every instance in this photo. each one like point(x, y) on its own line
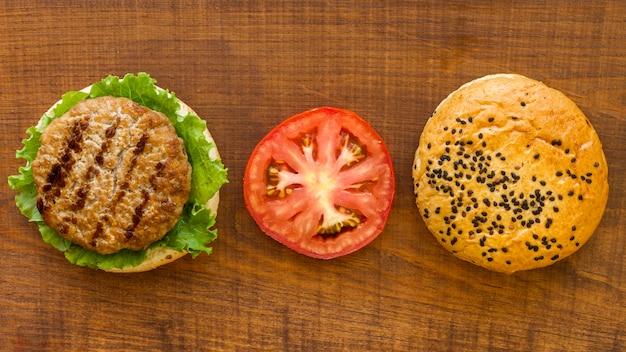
point(322, 183)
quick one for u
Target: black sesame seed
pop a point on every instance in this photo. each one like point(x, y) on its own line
point(573, 160)
point(596, 164)
point(536, 156)
point(570, 193)
point(491, 119)
point(559, 174)
point(428, 146)
point(574, 228)
point(580, 197)
point(555, 257)
point(482, 241)
point(523, 104)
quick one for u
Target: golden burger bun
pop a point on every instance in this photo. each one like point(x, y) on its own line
point(509, 174)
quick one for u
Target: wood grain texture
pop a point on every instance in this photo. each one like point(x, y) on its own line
point(244, 66)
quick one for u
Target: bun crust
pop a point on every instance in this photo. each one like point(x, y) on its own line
point(509, 174)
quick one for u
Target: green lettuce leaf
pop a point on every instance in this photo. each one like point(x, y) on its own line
point(192, 233)
point(192, 230)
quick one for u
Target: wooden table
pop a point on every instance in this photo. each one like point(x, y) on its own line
point(244, 66)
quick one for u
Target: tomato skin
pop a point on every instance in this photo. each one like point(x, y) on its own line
point(321, 183)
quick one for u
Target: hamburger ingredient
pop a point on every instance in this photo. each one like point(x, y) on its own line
point(321, 183)
point(509, 174)
point(193, 230)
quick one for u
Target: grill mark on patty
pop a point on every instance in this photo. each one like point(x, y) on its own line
point(96, 234)
point(56, 178)
point(137, 215)
point(139, 148)
point(159, 174)
point(83, 191)
point(104, 148)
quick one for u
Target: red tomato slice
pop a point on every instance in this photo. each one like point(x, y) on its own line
point(321, 183)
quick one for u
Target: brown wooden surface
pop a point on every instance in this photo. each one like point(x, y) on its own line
point(244, 66)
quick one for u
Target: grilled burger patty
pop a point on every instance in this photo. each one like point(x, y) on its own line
point(111, 174)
